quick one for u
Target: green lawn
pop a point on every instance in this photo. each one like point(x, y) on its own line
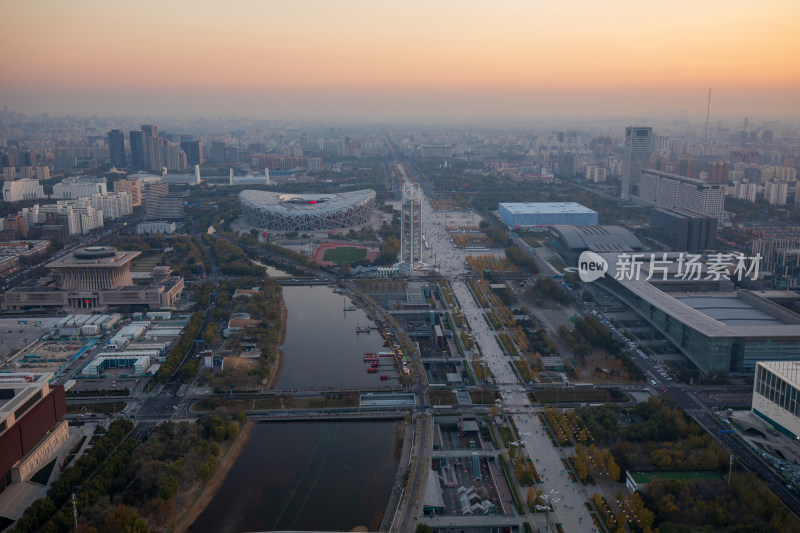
point(344, 254)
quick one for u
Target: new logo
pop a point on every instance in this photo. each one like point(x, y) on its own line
point(591, 266)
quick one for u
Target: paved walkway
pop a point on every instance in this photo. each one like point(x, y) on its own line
point(566, 497)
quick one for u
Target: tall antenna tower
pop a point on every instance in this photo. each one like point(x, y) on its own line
point(708, 112)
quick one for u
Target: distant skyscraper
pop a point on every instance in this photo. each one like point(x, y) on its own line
point(194, 151)
point(137, 149)
point(718, 172)
point(638, 147)
point(684, 167)
point(151, 130)
point(116, 148)
point(155, 153)
point(218, 152)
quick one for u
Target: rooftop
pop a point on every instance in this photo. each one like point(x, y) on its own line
point(16, 388)
point(103, 256)
point(545, 207)
point(771, 320)
point(789, 371)
point(598, 238)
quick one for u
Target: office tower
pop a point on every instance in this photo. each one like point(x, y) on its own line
point(42, 173)
point(155, 153)
point(766, 136)
point(174, 157)
point(116, 148)
point(131, 186)
point(151, 130)
point(682, 230)
point(638, 147)
point(411, 228)
point(718, 172)
point(218, 152)
point(137, 149)
point(566, 165)
point(153, 192)
point(194, 151)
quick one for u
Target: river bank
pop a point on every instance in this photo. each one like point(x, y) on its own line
point(279, 355)
point(211, 488)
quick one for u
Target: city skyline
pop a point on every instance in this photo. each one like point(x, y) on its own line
point(368, 60)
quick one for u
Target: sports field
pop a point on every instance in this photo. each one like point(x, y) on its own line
point(344, 254)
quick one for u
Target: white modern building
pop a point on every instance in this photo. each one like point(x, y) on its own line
point(18, 190)
point(157, 227)
point(79, 186)
point(745, 191)
point(672, 191)
point(776, 396)
point(775, 192)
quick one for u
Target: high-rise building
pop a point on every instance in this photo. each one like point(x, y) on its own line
point(595, 174)
point(566, 165)
point(683, 231)
point(150, 130)
point(137, 149)
point(218, 152)
point(745, 191)
point(17, 225)
point(155, 153)
point(718, 172)
point(684, 167)
point(116, 148)
point(28, 159)
point(775, 192)
point(411, 228)
point(638, 147)
point(673, 191)
point(152, 194)
point(131, 186)
point(782, 258)
point(174, 157)
point(194, 151)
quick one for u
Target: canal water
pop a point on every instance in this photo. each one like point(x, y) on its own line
point(322, 348)
point(311, 476)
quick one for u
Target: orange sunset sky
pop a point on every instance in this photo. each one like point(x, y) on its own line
point(380, 59)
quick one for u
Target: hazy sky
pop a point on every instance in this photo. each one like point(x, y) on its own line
point(381, 59)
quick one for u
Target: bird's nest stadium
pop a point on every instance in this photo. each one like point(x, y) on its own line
point(306, 212)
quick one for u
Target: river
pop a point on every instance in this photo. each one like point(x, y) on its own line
point(322, 348)
point(306, 476)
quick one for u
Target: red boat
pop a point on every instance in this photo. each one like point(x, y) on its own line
point(372, 370)
point(375, 364)
point(384, 377)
